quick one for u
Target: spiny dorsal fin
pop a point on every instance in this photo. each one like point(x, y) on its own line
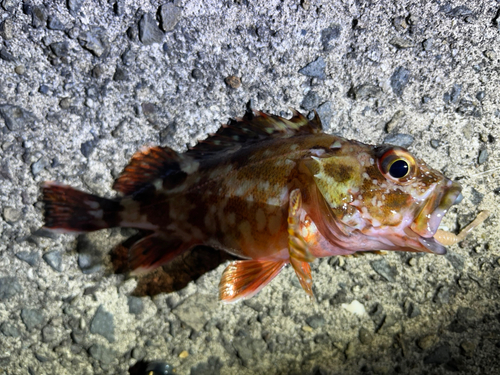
point(253, 127)
point(150, 164)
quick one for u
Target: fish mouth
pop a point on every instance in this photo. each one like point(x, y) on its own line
point(428, 219)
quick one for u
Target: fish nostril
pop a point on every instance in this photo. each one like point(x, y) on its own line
point(458, 199)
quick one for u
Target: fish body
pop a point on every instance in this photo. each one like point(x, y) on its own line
point(271, 191)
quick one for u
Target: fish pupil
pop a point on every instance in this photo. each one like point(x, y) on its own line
point(399, 169)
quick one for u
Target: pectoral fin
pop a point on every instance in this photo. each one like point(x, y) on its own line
point(244, 278)
point(298, 248)
point(303, 272)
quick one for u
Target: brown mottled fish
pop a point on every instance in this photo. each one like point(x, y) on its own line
point(271, 191)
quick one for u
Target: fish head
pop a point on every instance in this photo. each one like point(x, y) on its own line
point(391, 199)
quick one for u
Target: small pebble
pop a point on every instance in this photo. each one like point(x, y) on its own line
point(307, 329)
point(399, 80)
point(365, 91)
point(149, 32)
point(9, 287)
point(401, 43)
point(138, 353)
point(232, 82)
point(30, 258)
point(55, 24)
point(354, 307)
point(426, 342)
point(39, 16)
point(197, 74)
point(170, 15)
point(7, 29)
point(490, 54)
point(395, 121)
point(434, 143)
point(384, 269)
point(54, 260)
point(184, 354)
point(468, 348)
point(413, 310)
point(103, 324)
point(65, 103)
point(97, 71)
point(11, 215)
point(20, 69)
point(9, 330)
point(350, 351)
point(32, 318)
point(310, 101)
point(6, 55)
point(402, 140)
point(315, 321)
point(101, 353)
point(443, 295)
point(44, 89)
point(400, 23)
point(120, 74)
point(135, 305)
point(427, 44)
point(328, 36)
point(483, 156)
point(325, 113)
point(315, 69)
point(365, 336)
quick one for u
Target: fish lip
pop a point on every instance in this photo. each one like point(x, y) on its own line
point(432, 245)
point(429, 218)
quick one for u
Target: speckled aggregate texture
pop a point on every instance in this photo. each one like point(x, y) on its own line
point(86, 83)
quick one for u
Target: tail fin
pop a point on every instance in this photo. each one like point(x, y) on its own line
point(71, 210)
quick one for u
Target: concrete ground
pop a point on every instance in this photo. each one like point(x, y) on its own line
point(86, 83)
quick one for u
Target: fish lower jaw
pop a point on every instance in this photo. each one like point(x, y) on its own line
point(429, 243)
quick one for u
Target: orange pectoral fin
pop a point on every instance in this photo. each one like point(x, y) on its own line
point(244, 278)
point(303, 272)
point(298, 247)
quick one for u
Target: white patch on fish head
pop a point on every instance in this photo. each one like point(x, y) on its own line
point(317, 151)
point(336, 145)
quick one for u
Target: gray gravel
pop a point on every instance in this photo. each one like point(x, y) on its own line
point(87, 83)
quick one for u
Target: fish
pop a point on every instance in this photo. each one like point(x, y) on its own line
point(271, 191)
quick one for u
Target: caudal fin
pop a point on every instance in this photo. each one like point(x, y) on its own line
point(71, 210)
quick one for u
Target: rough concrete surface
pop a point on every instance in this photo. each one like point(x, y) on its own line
point(85, 83)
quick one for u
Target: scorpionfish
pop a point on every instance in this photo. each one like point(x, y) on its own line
point(270, 190)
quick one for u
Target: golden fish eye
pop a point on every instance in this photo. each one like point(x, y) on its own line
point(397, 165)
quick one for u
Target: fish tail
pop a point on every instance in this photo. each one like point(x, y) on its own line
point(70, 210)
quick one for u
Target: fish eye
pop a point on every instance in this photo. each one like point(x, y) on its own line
point(398, 165)
point(399, 168)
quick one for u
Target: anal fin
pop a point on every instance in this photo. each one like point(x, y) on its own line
point(153, 251)
point(244, 278)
